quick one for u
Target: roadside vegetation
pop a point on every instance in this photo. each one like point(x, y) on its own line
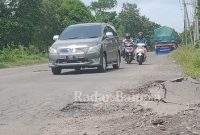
point(189, 58)
point(28, 26)
point(19, 55)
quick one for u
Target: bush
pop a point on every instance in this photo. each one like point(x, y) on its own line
point(20, 55)
point(197, 44)
point(189, 58)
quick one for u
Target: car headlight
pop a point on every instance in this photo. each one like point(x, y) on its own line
point(94, 49)
point(52, 50)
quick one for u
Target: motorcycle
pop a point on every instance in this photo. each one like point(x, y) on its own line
point(129, 52)
point(141, 53)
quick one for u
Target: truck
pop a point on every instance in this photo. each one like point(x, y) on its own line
point(166, 39)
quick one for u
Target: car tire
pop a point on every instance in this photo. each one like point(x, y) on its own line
point(117, 66)
point(56, 70)
point(77, 69)
point(103, 67)
point(140, 60)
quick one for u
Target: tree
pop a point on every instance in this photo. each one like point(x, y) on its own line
point(130, 21)
point(101, 8)
point(28, 15)
point(8, 22)
point(102, 5)
point(35, 22)
point(77, 12)
point(58, 14)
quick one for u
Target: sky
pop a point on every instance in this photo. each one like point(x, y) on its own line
point(165, 12)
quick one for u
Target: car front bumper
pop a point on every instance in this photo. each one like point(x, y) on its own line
point(69, 62)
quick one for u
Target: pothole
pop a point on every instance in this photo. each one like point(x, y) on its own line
point(151, 93)
point(144, 89)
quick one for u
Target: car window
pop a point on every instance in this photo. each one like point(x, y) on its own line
point(81, 32)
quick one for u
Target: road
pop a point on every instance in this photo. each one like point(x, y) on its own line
point(31, 96)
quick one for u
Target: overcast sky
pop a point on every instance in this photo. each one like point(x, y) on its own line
point(164, 12)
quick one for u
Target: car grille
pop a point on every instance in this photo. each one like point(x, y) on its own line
point(72, 50)
point(76, 60)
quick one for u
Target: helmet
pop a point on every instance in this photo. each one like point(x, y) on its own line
point(140, 35)
point(128, 35)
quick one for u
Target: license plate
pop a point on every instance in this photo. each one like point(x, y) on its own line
point(72, 58)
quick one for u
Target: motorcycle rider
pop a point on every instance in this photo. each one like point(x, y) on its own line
point(142, 39)
point(126, 40)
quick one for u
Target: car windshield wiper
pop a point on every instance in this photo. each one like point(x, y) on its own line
point(73, 38)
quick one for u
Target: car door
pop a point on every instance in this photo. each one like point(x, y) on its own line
point(113, 46)
point(115, 50)
point(108, 45)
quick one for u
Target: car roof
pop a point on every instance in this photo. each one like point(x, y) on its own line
point(86, 24)
point(93, 24)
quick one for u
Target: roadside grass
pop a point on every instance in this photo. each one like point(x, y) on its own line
point(18, 56)
point(189, 58)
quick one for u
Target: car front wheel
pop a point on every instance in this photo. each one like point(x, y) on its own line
point(56, 70)
point(103, 67)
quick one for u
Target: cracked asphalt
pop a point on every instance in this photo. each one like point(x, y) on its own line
point(31, 97)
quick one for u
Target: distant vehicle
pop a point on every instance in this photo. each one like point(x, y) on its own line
point(129, 52)
point(85, 45)
point(167, 39)
point(141, 53)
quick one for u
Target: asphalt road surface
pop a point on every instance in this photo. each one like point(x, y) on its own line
point(31, 96)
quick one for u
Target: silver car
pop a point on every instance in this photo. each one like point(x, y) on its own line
point(85, 45)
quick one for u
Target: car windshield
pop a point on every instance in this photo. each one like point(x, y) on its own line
point(81, 32)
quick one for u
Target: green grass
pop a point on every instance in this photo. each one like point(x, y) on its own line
point(189, 58)
point(18, 56)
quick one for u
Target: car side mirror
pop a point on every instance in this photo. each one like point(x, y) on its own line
point(56, 37)
point(109, 34)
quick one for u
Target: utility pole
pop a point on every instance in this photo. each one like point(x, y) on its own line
point(185, 23)
point(188, 25)
point(196, 21)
